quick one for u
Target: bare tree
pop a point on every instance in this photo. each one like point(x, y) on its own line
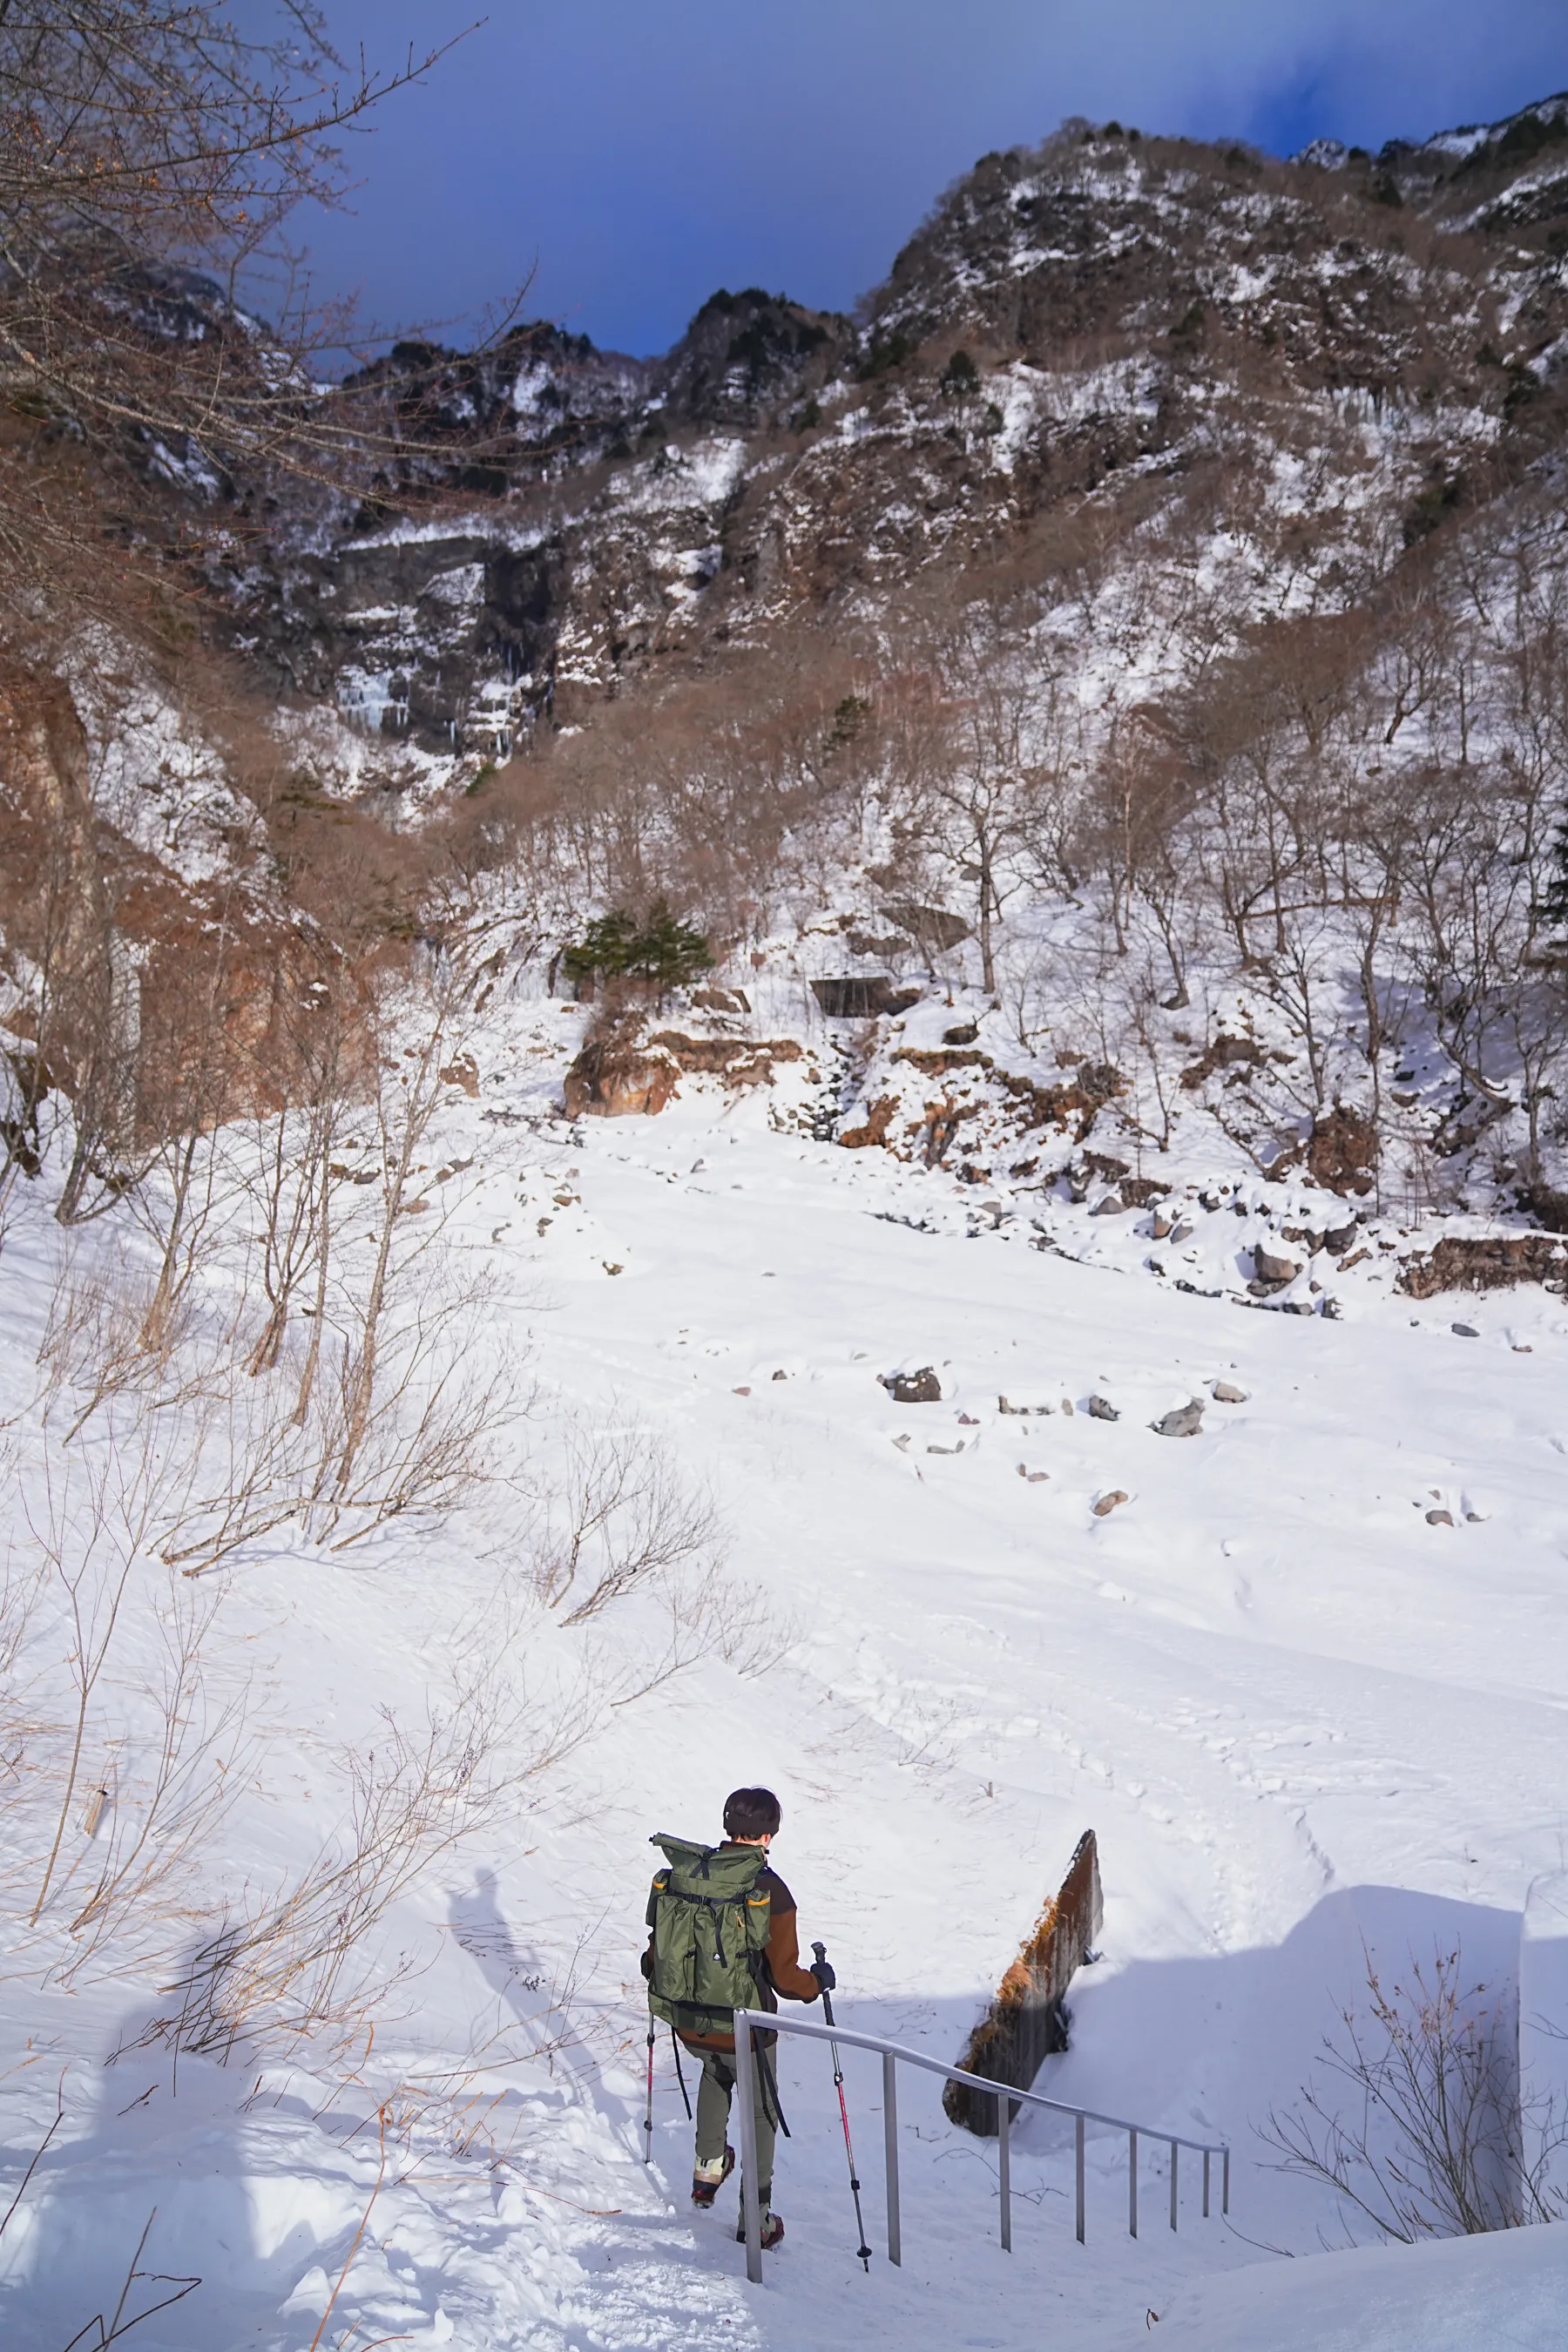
point(290, 1183)
point(965, 756)
point(95, 1521)
point(1435, 2144)
point(305, 1964)
point(621, 1516)
point(139, 139)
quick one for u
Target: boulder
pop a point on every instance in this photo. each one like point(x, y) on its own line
point(1459, 1262)
point(1439, 1518)
point(1108, 1503)
point(1464, 1330)
point(617, 1075)
point(923, 1387)
point(877, 1121)
point(1101, 1409)
point(1182, 1421)
point(739, 1061)
point(854, 999)
point(1227, 1392)
point(1273, 1266)
point(1341, 1152)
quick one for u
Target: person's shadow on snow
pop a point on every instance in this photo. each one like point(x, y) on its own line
point(146, 2200)
point(517, 1976)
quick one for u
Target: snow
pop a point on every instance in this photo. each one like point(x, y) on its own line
point(1542, 2007)
point(702, 476)
point(1301, 1719)
point(1460, 2296)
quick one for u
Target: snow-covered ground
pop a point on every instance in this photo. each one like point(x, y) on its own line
point(1302, 1717)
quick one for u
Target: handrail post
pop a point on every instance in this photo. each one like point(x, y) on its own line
point(1175, 2159)
point(1206, 2184)
point(1225, 2184)
point(1077, 2167)
point(750, 2202)
point(890, 2145)
point(1132, 2184)
point(1004, 2169)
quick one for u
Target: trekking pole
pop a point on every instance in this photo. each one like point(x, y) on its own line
point(648, 2119)
point(862, 2250)
point(680, 2073)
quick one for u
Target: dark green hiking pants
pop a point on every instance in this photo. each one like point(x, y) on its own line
point(713, 2095)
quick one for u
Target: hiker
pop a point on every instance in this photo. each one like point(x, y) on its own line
point(721, 1937)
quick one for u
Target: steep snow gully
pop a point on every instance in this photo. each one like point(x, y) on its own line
point(1308, 1724)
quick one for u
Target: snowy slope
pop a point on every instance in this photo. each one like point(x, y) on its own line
point(1299, 1716)
point(1506, 2289)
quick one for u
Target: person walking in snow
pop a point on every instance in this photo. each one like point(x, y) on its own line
point(721, 1937)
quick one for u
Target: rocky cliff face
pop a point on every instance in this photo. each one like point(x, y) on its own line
point(1258, 467)
point(1083, 340)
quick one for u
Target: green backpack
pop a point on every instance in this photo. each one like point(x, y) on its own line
point(710, 1922)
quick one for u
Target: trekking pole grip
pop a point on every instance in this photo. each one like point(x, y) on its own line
point(820, 1952)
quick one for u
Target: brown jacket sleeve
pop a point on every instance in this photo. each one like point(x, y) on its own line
point(790, 1978)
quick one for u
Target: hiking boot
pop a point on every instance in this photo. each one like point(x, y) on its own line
point(773, 2229)
point(708, 2178)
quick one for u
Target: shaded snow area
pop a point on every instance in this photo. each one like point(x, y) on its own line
point(1471, 2291)
point(1305, 1680)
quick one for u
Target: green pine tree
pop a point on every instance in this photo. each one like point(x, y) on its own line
point(661, 950)
point(668, 952)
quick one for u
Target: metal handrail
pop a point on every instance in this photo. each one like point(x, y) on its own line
point(757, 2021)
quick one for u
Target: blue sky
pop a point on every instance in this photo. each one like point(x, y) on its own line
point(634, 157)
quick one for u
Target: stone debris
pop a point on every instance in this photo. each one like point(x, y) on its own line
point(1439, 1518)
point(1108, 1503)
point(1227, 1392)
point(1182, 1421)
point(923, 1387)
point(1101, 1409)
point(1460, 1263)
point(1035, 1477)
